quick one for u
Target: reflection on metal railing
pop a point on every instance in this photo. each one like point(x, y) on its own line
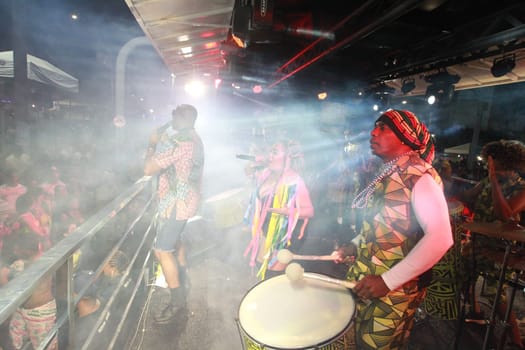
point(17, 291)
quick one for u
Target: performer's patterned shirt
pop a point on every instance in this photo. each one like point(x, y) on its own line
point(182, 158)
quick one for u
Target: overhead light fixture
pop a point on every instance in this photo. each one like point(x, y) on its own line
point(503, 65)
point(322, 95)
point(431, 99)
point(441, 93)
point(379, 96)
point(408, 85)
point(441, 88)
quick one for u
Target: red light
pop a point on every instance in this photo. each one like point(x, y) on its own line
point(211, 45)
point(207, 34)
point(257, 89)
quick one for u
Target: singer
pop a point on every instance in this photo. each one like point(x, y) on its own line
point(176, 154)
point(281, 208)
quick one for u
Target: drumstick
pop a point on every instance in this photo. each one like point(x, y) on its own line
point(295, 272)
point(284, 256)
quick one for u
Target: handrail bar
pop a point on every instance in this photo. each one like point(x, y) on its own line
point(18, 290)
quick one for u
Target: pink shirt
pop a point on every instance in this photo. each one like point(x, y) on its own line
point(10, 194)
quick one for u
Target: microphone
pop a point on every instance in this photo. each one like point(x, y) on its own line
point(163, 128)
point(246, 157)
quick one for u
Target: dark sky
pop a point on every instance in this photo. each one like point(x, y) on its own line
point(85, 48)
point(51, 34)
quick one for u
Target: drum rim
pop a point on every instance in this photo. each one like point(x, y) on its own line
point(313, 346)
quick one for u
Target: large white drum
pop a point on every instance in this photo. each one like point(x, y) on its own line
point(307, 314)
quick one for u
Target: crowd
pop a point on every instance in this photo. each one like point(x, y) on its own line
point(44, 197)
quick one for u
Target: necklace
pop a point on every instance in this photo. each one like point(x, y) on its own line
point(361, 200)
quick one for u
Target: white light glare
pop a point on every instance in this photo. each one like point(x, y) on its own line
point(187, 51)
point(431, 99)
point(195, 88)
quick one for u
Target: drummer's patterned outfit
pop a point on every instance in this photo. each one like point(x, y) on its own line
point(271, 231)
point(390, 231)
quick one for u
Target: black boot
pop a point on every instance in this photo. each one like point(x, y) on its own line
point(166, 309)
point(184, 279)
point(178, 297)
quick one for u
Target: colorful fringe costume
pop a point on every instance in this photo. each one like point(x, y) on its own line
point(276, 230)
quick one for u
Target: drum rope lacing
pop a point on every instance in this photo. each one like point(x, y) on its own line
point(361, 200)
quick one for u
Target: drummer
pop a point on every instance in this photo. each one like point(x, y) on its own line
point(499, 197)
point(406, 230)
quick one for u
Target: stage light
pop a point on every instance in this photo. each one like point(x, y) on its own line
point(195, 88)
point(441, 93)
point(322, 95)
point(408, 85)
point(503, 65)
point(441, 87)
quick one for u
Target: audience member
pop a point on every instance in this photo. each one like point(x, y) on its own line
point(12, 189)
point(88, 309)
point(36, 317)
point(5, 226)
point(27, 221)
point(111, 275)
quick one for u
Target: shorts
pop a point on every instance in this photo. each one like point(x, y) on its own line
point(34, 324)
point(169, 232)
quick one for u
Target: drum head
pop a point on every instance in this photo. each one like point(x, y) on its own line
point(295, 315)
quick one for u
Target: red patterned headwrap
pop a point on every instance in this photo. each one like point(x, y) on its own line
point(411, 131)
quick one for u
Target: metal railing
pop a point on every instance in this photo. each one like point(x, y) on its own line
point(58, 260)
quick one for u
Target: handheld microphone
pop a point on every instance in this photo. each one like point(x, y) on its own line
point(246, 157)
point(163, 128)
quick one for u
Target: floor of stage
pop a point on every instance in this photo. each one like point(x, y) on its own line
point(221, 277)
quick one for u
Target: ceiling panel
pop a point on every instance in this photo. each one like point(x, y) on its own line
point(310, 42)
point(187, 34)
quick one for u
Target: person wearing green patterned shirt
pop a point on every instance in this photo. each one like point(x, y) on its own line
point(405, 231)
point(498, 197)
